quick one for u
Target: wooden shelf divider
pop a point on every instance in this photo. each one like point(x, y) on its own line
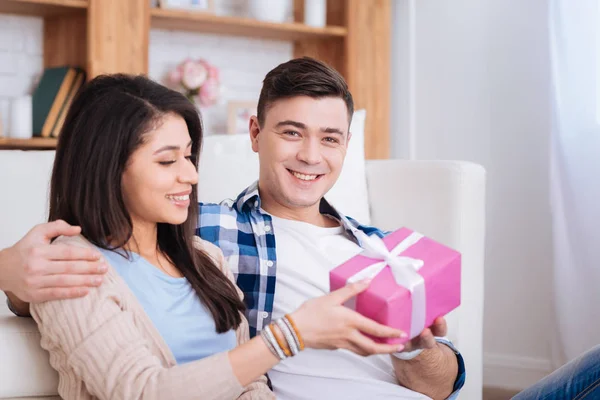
point(198, 21)
point(28, 144)
point(42, 8)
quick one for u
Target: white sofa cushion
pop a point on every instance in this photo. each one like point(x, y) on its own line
point(24, 366)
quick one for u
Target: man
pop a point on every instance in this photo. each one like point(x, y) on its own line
point(281, 239)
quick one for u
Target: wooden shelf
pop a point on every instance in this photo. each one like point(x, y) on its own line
point(28, 144)
point(42, 8)
point(112, 36)
point(209, 23)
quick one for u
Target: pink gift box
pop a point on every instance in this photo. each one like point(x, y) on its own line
point(391, 304)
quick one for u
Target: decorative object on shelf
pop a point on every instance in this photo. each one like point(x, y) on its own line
point(238, 116)
point(315, 13)
point(21, 118)
point(271, 10)
point(232, 8)
point(195, 5)
point(52, 98)
point(198, 80)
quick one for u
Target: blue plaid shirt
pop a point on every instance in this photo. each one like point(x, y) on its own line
point(245, 235)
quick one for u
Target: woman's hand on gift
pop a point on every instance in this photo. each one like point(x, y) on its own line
point(325, 323)
point(426, 339)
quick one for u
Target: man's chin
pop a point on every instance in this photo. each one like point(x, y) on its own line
point(303, 201)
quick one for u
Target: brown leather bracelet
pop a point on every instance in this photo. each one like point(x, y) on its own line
point(280, 340)
point(296, 331)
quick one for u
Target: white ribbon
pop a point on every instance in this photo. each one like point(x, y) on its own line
point(404, 270)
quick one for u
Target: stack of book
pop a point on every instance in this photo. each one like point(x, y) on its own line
point(53, 97)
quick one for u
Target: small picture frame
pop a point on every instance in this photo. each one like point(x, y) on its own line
point(238, 116)
point(192, 5)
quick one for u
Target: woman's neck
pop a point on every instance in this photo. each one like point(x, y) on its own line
point(144, 242)
point(144, 239)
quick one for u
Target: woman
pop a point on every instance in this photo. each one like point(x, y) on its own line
point(167, 321)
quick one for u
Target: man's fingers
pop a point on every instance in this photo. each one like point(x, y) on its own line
point(69, 281)
point(65, 252)
point(427, 340)
point(77, 268)
point(373, 328)
point(60, 294)
point(57, 228)
point(344, 294)
point(439, 327)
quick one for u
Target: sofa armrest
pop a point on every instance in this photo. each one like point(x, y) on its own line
point(25, 370)
point(444, 200)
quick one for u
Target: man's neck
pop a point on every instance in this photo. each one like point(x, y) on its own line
point(310, 214)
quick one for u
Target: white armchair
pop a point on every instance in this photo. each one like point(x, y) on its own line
point(444, 200)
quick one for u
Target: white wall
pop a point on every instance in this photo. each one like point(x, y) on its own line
point(243, 63)
point(481, 93)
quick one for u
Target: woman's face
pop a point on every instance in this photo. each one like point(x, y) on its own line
point(158, 179)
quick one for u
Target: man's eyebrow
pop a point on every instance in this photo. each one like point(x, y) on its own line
point(297, 124)
point(333, 130)
point(300, 125)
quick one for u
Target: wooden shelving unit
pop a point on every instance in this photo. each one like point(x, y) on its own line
point(109, 36)
point(28, 144)
point(42, 8)
point(210, 23)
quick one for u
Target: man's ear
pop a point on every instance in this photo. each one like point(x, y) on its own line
point(348, 140)
point(254, 129)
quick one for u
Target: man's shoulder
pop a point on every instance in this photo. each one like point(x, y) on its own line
point(221, 221)
point(226, 205)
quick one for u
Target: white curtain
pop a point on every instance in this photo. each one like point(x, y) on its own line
point(575, 172)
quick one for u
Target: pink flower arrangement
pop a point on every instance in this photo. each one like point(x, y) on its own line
point(197, 80)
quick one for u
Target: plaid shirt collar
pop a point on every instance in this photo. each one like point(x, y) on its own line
point(250, 200)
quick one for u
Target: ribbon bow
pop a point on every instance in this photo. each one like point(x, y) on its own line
point(404, 270)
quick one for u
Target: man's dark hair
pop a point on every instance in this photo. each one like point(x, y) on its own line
point(302, 77)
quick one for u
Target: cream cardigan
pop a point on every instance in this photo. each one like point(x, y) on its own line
point(104, 346)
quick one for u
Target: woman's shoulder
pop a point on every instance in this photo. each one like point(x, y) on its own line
point(210, 249)
point(215, 253)
point(77, 240)
point(74, 311)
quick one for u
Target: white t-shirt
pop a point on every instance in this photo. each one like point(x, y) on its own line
point(305, 255)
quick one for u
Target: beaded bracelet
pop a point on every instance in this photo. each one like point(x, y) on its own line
point(270, 345)
point(267, 334)
point(294, 334)
point(281, 341)
point(283, 347)
point(294, 329)
point(289, 338)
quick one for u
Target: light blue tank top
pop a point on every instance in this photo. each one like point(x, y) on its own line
point(183, 321)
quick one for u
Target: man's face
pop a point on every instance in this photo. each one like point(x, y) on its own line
point(301, 149)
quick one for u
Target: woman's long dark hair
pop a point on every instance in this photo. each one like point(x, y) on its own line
point(106, 123)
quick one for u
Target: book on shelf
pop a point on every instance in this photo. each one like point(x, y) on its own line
point(52, 98)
